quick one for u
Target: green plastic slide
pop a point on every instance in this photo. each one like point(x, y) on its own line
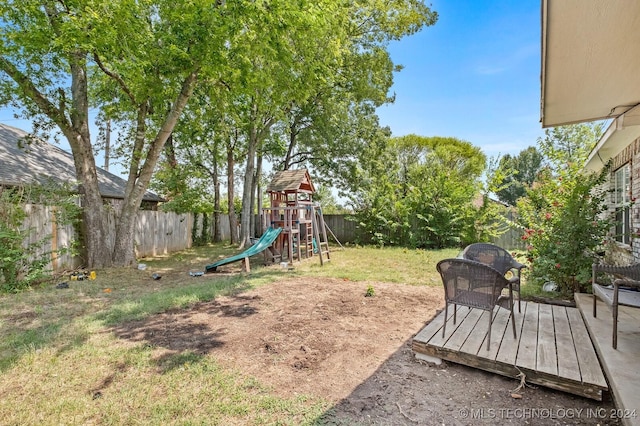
point(263, 243)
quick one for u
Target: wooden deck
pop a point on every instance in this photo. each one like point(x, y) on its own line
point(620, 365)
point(552, 347)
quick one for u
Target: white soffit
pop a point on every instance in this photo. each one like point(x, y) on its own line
point(590, 60)
point(620, 133)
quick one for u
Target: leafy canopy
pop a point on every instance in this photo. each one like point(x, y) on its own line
point(419, 190)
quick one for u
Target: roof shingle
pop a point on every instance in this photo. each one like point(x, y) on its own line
point(26, 160)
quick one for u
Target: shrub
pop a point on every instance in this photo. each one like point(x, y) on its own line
point(21, 264)
point(563, 228)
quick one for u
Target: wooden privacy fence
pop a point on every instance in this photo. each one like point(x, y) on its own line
point(161, 232)
point(347, 231)
point(156, 233)
point(49, 238)
point(225, 229)
point(344, 229)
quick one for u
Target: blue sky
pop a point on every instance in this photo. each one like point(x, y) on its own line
point(474, 75)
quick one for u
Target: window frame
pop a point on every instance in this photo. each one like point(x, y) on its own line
point(622, 204)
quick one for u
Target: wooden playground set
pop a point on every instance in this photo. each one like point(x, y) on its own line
point(293, 226)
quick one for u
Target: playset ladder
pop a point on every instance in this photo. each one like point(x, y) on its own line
point(308, 239)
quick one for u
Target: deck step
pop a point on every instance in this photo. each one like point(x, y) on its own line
point(620, 365)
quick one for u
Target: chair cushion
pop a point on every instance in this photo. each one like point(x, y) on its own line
point(625, 297)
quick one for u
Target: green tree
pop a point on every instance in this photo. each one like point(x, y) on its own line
point(328, 201)
point(442, 179)
point(190, 172)
point(293, 97)
point(147, 57)
point(343, 63)
point(563, 210)
point(569, 145)
point(519, 174)
point(418, 191)
point(374, 194)
point(329, 129)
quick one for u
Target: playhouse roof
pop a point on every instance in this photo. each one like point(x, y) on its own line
point(291, 181)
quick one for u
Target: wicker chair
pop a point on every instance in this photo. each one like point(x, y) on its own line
point(624, 276)
point(498, 258)
point(473, 284)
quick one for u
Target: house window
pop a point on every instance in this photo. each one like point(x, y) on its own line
point(621, 198)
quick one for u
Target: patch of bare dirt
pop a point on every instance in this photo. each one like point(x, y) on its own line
point(323, 337)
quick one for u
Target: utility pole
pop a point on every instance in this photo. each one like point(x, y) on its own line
point(107, 145)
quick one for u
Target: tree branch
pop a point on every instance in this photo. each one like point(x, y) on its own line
point(27, 86)
point(115, 77)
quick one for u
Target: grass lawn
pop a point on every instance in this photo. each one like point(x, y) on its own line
point(56, 351)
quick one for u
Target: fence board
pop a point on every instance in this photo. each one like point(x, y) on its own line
point(155, 233)
point(343, 228)
point(159, 233)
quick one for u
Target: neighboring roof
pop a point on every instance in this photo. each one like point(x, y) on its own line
point(590, 60)
point(478, 200)
point(291, 180)
point(22, 162)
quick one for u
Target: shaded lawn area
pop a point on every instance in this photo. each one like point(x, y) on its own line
point(64, 357)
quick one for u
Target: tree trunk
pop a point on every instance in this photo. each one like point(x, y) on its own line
point(257, 218)
point(107, 144)
point(293, 132)
point(93, 223)
point(139, 177)
point(217, 232)
point(170, 152)
point(245, 218)
point(231, 192)
point(76, 130)
point(256, 135)
point(123, 251)
point(255, 187)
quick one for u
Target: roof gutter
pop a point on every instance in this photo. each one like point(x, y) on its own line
point(543, 55)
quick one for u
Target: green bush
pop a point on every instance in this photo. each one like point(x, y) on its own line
point(22, 265)
point(563, 228)
point(419, 193)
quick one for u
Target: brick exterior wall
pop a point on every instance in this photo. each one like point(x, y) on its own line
point(623, 254)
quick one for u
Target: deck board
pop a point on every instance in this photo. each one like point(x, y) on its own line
point(550, 348)
point(499, 334)
point(589, 365)
point(527, 351)
point(547, 356)
point(473, 343)
point(567, 359)
point(463, 331)
point(439, 339)
point(508, 351)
